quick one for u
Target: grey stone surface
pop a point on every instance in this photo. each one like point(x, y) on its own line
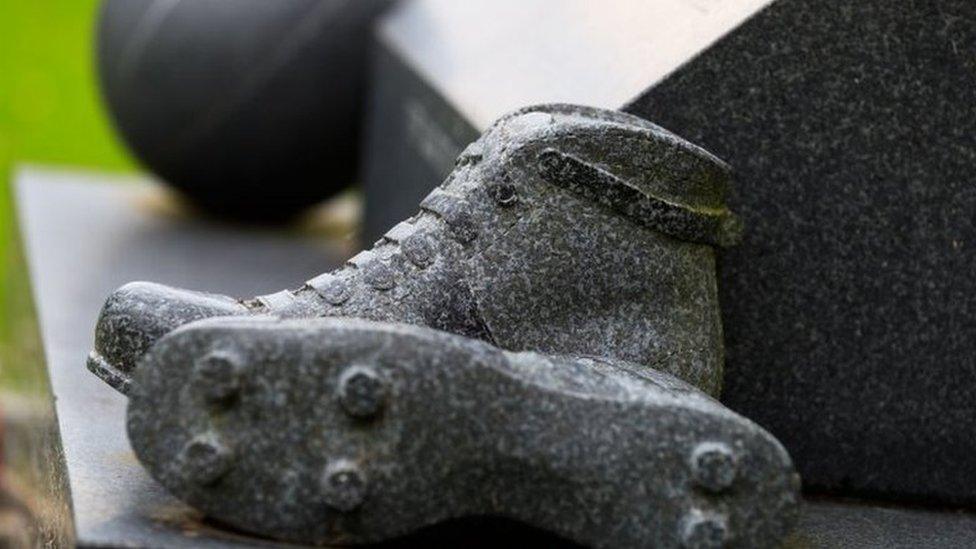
point(563, 229)
point(861, 525)
point(349, 431)
point(848, 308)
point(74, 224)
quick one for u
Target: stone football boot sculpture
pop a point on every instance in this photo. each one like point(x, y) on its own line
point(563, 229)
point(347, 431)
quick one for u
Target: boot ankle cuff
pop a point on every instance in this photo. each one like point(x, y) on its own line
point(713, 226)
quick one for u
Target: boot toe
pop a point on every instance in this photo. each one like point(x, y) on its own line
point(136, 315)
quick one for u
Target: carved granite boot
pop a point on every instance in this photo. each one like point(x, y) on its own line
point(346, 431)
point(563, 229)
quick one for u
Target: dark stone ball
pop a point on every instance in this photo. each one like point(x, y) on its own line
point(250, 107)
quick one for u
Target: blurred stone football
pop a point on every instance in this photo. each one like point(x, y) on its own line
point(250, 107)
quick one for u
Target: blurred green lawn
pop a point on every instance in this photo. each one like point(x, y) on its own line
point(50, 113)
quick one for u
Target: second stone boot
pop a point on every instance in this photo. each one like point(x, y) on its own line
point(563, 229)
point(344, 431)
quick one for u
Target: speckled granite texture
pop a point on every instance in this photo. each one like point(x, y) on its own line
point(564, 229)
point(850, 307)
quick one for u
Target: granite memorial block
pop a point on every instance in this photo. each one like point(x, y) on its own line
point(341, 419)
point(76, 223)
point(850, 308)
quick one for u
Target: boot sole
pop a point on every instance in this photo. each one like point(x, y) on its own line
point(342, 431)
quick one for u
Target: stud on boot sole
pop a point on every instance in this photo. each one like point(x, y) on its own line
point(341, 431)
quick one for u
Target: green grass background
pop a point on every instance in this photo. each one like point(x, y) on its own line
point(50, 113)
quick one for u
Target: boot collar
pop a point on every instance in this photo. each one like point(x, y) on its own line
point(716, 227)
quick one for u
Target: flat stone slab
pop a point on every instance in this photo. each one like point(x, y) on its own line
point(86, 234)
